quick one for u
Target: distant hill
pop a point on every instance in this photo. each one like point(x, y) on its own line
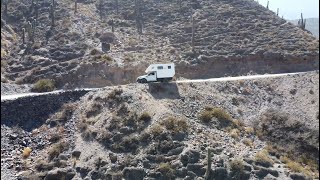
point(312, 25)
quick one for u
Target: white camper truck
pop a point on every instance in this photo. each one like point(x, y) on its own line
point(158, 72)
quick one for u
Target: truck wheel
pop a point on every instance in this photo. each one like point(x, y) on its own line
point(143, 81)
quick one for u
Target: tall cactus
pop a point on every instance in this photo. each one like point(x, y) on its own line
point(75, 6)
point(209, 162)
point(193, 34)
point(277, 11)
point(34, 24)
point(268, 5)
point(29, 31)
point(112, 25)
point(302, 22)
point(23, 35)
point(52, 14)
point(138, 16)
point(117, 6)
point(36, 10)
point(5, 2)
point(101, 9)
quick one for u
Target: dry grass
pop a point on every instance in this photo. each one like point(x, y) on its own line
point(248, 142)
point(3, 64)
point(263, 157)
point(205, 116)
point(156, 130)
point(166, 169)
point(175, 125)
point(56, 149)
point(249, 130)
point(297, 167)
point(235, 133)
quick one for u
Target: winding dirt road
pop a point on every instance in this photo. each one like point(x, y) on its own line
point(16, 96)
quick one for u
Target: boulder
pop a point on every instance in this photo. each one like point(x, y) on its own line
point(132, 173)
point(60, 173)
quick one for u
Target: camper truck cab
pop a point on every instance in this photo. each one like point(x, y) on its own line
point(158, 73)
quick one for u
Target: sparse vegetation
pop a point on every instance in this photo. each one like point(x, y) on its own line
point(43, 85)
point(166, 170)
point(263, 158)
point(249, 130)
point(248, 142)
point(221, 115)
point(56, 149)
point(307, 168)
point(156, 130)
point(145, 117)
point(116, 94)
point(175, 125)
point(237, 169)
point(26, 152)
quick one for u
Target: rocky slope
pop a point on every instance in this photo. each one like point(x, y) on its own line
point(230, 38)
point(312, 25)
point(252, 129)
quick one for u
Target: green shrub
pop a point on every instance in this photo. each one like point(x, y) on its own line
point(43, 85)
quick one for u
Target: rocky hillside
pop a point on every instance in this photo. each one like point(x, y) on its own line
point(97, 43)
point(312, 25)
point(245, 129)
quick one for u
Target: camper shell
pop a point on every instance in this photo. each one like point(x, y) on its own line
point(158, 73)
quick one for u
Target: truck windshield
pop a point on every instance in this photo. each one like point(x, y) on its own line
point(151, 74)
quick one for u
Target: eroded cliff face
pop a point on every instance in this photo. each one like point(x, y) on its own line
point(165, 130)
point(230, 38)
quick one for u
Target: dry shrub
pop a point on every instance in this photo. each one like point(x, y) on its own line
point(56, 149)
point(235, 133)
point(237, 169)
point(145, 117)
point(42, 165)
point(115, 94)
point(209, 112)
point(175, 125)
point(297, 167)
point(263, 158)
point(249, 130)
point(248, 142)
point(205, 116)
point(166, 170)
point(26, 152)
point(43, 85)
point(156, 130)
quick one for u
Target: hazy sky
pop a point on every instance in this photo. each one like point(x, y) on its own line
point(291, 9)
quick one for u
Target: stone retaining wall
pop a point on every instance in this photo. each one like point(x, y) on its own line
point(32, 111)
